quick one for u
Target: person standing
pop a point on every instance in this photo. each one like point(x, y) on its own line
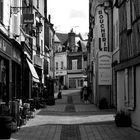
point(85, 94)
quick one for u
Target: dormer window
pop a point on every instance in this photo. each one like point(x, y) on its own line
point(59, 48)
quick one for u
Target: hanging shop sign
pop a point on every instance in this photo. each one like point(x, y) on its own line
point(102, 29)
point(60, 73)
point(28, 18)
point(5, 46)
point(104, 68)
point(37, 60)
point(16, 54)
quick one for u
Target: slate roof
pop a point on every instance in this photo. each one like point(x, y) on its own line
point(56, 39)
point(63, 37)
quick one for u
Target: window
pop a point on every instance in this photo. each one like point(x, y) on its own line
point(41, 46)
point(74, 64)
point(135, 5)
point(59, 49)
point(80, 83)
point(129, 87)
point(1, 10)
point(56, 65)
point(128, 14)
point(62, 64)
point(37, 3)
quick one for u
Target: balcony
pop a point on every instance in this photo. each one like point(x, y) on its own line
point(75, 71)
point(37, 60)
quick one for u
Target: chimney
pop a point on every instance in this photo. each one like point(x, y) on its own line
point(49, 18)
point(71, 39)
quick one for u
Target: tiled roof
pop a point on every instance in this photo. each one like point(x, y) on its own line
point(63, 37)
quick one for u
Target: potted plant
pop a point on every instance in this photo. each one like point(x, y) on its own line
point(103, 104)
point(123, 119)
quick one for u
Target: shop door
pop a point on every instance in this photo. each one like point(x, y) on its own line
point(80, 83)
point(72, 83)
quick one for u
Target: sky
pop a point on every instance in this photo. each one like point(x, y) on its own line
point(68, 14)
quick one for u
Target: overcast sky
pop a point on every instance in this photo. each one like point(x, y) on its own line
point(67, 14)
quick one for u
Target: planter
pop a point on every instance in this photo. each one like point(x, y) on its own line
point(7, 126)
point(122, 119)
point(50, 101)
point(103, 104)
point(59, 96)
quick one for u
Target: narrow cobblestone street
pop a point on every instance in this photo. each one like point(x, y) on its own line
point(71, 119)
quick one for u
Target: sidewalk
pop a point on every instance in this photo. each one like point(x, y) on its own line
point(84, 122)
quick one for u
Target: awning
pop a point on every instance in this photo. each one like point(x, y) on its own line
point(33, 71)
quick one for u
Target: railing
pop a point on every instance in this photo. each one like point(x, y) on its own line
point(75, 71)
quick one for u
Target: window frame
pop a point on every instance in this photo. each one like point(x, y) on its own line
point(74, 64)
point(62, 64)
point(129, 88)
point(1, 11)
point(37, 4)
point(56, 65)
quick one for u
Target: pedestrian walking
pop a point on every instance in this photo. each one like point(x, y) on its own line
point(81, 93)
point(89, 92)
point(85, 94)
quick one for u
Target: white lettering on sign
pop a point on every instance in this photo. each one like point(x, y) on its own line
point(103, 29)
point(3, 45)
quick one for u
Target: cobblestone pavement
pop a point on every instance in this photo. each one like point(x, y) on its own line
point(71, 119)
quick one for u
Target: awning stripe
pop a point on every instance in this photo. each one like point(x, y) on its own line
point(33, 71)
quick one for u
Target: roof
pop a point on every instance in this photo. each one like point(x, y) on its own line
point(83, 45)
point(63, 37)
point(56, 39)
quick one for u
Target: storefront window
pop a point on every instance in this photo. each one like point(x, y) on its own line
point(3, 81)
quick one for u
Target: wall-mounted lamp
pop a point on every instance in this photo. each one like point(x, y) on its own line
point(36, 29)
point(39, 27)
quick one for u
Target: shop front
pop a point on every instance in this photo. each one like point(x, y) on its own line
point(38, 67)
point(5, 68)
point(30, 76)
point(16, 70)
point(76, 80)
point(4, 79)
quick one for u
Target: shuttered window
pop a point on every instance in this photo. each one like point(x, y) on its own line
point(37, 3)
point(1, 10)
point(128, 14)
point(56, 65)
point(129, 87)
point(135, 9)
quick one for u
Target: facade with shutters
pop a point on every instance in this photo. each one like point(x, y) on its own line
point(127, 67)
point(22, 44)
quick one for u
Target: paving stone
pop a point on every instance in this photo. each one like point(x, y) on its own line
point(70, 132)
point(72, 110)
